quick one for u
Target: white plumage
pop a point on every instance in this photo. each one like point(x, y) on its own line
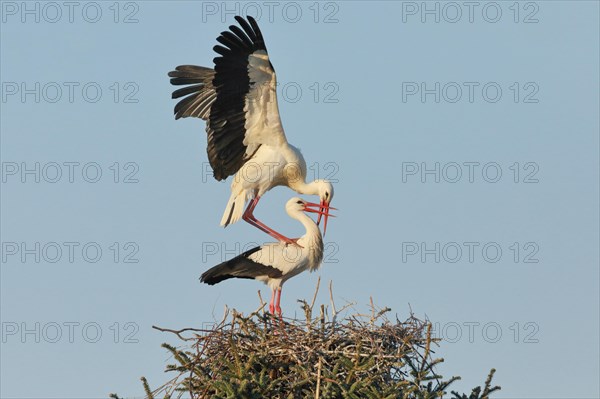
point(275, 263)
point(238, 100)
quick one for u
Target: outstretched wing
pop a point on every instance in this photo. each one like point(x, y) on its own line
point(239, 104)
point(199, 95)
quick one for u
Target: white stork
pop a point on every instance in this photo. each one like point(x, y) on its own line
point(238, 101)
point(275, 263)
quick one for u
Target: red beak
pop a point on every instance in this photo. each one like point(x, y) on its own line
point(322, 211)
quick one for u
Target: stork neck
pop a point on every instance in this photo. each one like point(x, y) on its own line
point(312, 230)
point(302, 187)
point(312, 241)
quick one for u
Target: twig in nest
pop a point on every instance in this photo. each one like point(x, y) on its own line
point(315, 295)
point(318, 392)
point(333, 309)
point(178, 332)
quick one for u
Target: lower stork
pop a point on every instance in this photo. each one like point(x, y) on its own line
point(275, 263)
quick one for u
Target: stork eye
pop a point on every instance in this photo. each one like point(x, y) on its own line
point(326, 194)
point(299, 202)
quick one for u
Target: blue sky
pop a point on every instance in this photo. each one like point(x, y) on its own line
point(464, 150)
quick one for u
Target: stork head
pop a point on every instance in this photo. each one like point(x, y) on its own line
point(325, 192)
point(296, 204)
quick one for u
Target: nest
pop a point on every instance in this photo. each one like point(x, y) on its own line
point(318, 356)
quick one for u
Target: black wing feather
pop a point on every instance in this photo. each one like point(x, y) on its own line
point(247, 28)
point(240, 33)
point(184, 91)
point(231, 41)
point(218, 96)
point(239, 267)
point(256, 29)
point(201, 91)
point(226, 149)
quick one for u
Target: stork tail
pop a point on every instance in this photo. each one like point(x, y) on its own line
point(234, 209)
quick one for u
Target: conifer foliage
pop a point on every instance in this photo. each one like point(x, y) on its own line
point(315, 356)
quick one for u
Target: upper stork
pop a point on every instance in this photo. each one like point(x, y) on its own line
point(238, 101)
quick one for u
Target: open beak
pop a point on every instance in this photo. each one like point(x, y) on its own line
point(323, 210)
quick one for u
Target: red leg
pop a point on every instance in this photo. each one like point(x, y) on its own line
point(276, 310)
point(278, 303)
point(249, 217)
point(272, 304)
